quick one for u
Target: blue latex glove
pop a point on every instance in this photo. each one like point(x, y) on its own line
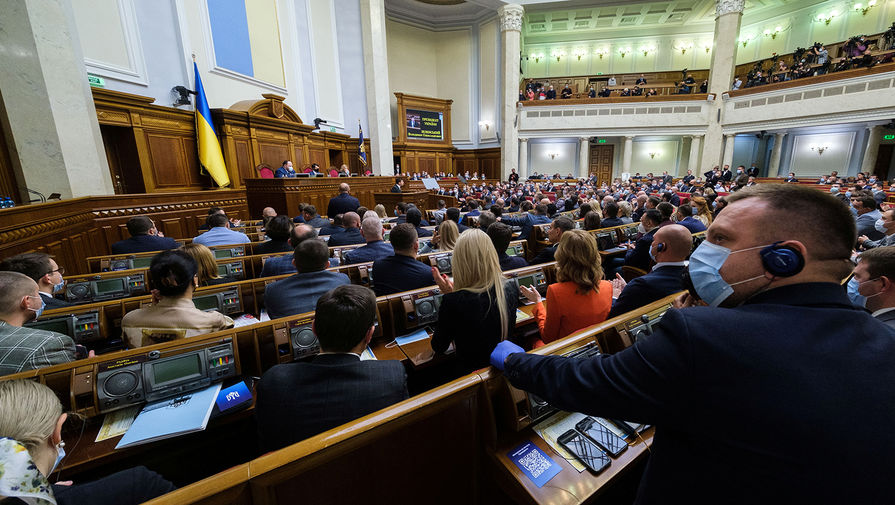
point(500, 353)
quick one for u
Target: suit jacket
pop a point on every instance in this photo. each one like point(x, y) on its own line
point(648, 288)
point(422, 232)
point(870, 244)
point(546, 255)
point(752, 171)
point(692, 224)
point(726, 175)
point(347, 237)
point(282, 172)
point(342, 203)
point(299, 400)
point(272, 247)
point(609, 222)
point(53, 302)
point(330, 230)
point(705, 374)
point(508, 262)
point(319, 222)
point(278, 266)
point(398, 273)
point(527, 221)
point(866, 224)
point(396, 189)
point(370, 252)
point(144, 243)
point(299, 293)
point(887, 317)
point(639, 256)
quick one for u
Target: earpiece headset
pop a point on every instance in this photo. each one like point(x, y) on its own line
point(782, 260)
point(660, 247)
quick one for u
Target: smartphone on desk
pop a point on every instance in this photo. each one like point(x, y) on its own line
point(585, 450)
point(605, 439)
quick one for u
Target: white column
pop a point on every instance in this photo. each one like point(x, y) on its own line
point(872, 149)
point(627, 153)
point(510, 38)
point(728, 150)
point(583, 156)
point(523, 159)
point(51, 120)
point(379, 122)
point(776, 152)
point(694, 155)
point(728, 15)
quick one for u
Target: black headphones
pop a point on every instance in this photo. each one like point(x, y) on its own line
point(782, 260)
point(660, 247)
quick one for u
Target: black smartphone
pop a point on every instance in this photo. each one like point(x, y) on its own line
point(687, 282)
point(586, 451)
point(624, 427)
point(608, 441)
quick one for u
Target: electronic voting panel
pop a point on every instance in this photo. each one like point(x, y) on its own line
point(156, 375)
point(233, 271)
point(98, 288)
point(516, 250)
point(82, 328)
point(607, 240)
point(442, 261)
point(228, 252)
point(640, 327)
point(531, 278)
point(416, 309)
point(295, 339)
point(226, 302)
point(125, 263)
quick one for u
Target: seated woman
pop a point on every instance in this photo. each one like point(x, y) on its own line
point(277, 230)
point(174, 316)
point(208, 268)
point(380, 211)
point(702, 210)
point(478, 308)
point(31, 447)
point(580, 298)
point(444, 238)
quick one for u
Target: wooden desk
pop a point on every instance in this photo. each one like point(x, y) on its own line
point(285, 194)
point(389, 199)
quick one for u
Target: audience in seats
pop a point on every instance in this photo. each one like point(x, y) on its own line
point(219, 233)
point(527, 221)
point(414, 217)
point(453, 214)
point(501, 235)
point(217, 210)
point(280, 265)
point(638, 253)
point(579, 298)
point(592, 221)
point(610, 216)
point(885, 224)
point(207, 266)
point(343, 202)
point(874, 276)
point(867, 214)
point(298, 293)
point(478, 292)
point(313, 219)
point(337, 226)
point(444, 239)
point(439, 212)
point(670, 249)
point(278, 231)
point(43, 270)
point(31, 447)
point(173, 279)
point(683, 216)
point(560, 225)
point(371, 229)
point(299, 400)
point(24, 348)
point(351, 234)
point(144, 237)
point(401, 271)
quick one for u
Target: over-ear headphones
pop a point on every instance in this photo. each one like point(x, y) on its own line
point(660, 247)
point(782, 260)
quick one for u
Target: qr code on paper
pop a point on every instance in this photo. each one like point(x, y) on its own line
point(534, 463)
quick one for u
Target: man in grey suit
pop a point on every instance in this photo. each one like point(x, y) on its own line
point(885, 224)
point(299, 400)
point(865, 205)
point(875, 275)
point(299, 293)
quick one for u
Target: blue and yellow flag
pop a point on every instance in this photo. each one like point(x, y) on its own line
point(210, 156)
point(361, 152)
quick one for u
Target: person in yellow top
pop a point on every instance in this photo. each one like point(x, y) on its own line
point(173, 276)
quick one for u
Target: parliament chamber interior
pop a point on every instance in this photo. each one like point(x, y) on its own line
point(539, 252)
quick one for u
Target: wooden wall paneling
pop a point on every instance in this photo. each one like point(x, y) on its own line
point(172, 227)
point(273, 153)
point(242, 155)
point(168, 159)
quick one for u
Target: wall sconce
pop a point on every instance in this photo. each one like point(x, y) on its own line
point(537, 56)
point(745, 39)
point(707, 47)
point(485, 124)
point(558, 53)
point(552, 154)
point(653, 155)
point(648, 49)
point(624, 50)
point(684, 46)
point(820, 148)
point(602, 52)
point(827, 18)
point(579, 52)
point(859, 7)
point(773, 33)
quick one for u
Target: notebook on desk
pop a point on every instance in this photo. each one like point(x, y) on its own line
point(172, 417)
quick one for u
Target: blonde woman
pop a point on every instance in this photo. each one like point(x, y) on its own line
point(478, 309)
point(703, 211)
point(580, 298)
point(380, 211)
point(625, 211)
point(31, 447)
point(208, 268)
point(444, 239)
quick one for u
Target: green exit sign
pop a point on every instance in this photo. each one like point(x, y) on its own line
point(601, 141)
point(889, 137)
point(96, 81)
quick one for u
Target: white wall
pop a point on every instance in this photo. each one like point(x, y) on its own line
point(667, 156)
point(488, 80)
point(807, 162)
point(565, 161)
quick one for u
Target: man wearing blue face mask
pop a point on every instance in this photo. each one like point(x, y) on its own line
point(43, 270)
point(764, 382)
point(24, 348)
point(864, 205)
point(873, 280)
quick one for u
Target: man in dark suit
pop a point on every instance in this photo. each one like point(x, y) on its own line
point(415, 218)
point(337, 226)
point(689, 177)
point(528, 220)
point(501, 235)
point(285, 170)
point(791, 178)
point(865, 205)
point(43, 270)
point(885, 222)
point(299, 400)
point(787, 344)
point(313, 219)
point(144, 237)
point(343, 202)
point(638, 253)
point(684, 216)
point(398, 184)
point(299, 293)
point(371, 229)
point(752, 171)
point(726, 174)
point(351, 234)
point(671, 247)
point(560, 225)
point(401, 271)
point(611, 213)
point(874, 277)
point(453, 213)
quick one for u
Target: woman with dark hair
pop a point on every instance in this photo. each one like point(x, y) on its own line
point(172, 278)
point(277, 230)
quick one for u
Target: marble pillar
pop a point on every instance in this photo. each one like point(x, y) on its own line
point(52, 125)
point(627, 153)
point(728, 150)
point(510, 40)
point(693, 163)
point(728, 16)
point(874, 135)
point(583, 156)
point(379, 122)
point(523, 159)
point(776, 154)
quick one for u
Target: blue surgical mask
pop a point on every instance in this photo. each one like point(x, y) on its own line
point(848, 193)
point(43, 304)
point(60, 454)
point(856, 298)
point(705, 272)
point(880, 225)
point(58, 287)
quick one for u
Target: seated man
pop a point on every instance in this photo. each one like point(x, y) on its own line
point(559, 226)
point(26, 348)
point(874, 276)
point(453, 214)
point(219, 233)
point(528, 221)
point(217, 210)
point(885, 222)
point(638, 253)
point(337, 226)
point(43, 270)
point(414, 218)
point(371, 229)
point(279, 265)
point(144, 237)
point(671, 248)
point(285, 170)
point(300, 400)
point(401, 272)
point(351, 235)
point(867, 214)
point(610, 213)
point(299, 293)
point(312, 218)
point(684, 216)
point(501, 235)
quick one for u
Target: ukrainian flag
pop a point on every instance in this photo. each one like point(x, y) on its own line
point(210, 156)
point(361, 151)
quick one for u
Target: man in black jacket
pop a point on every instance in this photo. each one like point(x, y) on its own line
point(343, 202)
point(144, 237)
point(299, 400)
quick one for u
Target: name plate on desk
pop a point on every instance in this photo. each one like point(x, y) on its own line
point(534, 463)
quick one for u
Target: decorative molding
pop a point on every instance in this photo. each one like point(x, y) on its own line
point(730, 7)
point(135, 73)
point(511, 17)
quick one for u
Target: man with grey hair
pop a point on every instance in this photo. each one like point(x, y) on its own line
point(371, 229)
point(351, 235)
point(27, 348)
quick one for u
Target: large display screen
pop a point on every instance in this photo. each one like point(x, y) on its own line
point(176, 369)
point(110, 286)
point(424, 124)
